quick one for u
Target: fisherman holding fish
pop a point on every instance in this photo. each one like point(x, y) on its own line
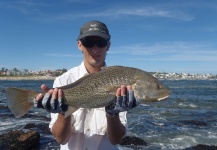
point(97, 128)
point(88, 103)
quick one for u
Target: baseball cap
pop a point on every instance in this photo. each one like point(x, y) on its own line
point(94, 28)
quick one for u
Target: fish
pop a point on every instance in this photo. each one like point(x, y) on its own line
point(95, 90)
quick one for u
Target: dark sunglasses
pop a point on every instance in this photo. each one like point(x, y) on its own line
point(90, 43)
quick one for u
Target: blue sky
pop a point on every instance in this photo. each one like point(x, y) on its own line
point(153, 35)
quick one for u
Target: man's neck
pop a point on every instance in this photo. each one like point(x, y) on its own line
point(93, 69)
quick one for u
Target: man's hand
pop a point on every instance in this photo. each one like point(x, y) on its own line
point(124, 102)
point(52, 101)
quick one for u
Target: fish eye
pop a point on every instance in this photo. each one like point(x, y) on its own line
point(158, 86)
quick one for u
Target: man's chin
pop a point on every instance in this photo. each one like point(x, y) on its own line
point(97, 63)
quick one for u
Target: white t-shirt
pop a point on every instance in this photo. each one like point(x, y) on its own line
point(88, 125)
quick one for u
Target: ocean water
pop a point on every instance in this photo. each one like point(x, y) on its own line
point(187, 118)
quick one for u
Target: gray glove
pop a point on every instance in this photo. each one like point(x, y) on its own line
point(123, 103)
point(50, 105)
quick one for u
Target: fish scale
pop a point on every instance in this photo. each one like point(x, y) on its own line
point(95, 83)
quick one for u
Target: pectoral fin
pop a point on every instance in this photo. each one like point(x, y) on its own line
point(111, 88)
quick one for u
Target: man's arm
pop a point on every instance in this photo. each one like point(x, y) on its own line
point(62, 127)
point(115, 129)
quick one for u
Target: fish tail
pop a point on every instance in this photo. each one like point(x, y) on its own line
point(20, 100)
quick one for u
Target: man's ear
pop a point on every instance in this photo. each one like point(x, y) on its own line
point(79, 46)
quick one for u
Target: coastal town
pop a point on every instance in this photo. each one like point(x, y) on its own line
point(16, 72)
point(49, 74)
point(183, 76)
point(25, 74)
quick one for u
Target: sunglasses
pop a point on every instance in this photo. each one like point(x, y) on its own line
point(90, 43)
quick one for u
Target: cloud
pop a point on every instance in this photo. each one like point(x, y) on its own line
point(25, 7)
point(174, 51)
point(61, 55)
point(137, 12)
point(38, 8)
point(154, 12)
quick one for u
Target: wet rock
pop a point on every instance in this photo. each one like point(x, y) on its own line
point(29, 126)
point(132, 140)
point(42, 127)
point(3, 107)
point(192, 123)
point(19, 139)
point(202, 147)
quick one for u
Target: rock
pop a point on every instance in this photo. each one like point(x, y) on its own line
point(192, 123)
point(42, 127)
point(132, 140)
point(19, 139)
point(3, 107)
point(202, 147)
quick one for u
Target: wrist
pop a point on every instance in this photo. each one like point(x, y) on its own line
point(61, 116)
point(112, 115)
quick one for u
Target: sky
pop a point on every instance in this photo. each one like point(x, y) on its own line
point(153, 35)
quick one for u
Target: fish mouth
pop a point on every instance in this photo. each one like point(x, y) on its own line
point(162, 98)
point(166, 94)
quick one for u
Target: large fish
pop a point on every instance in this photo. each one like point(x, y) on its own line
point(95, 90)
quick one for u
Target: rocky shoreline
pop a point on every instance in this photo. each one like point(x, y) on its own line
point(27, 78)
point(37, 135)
point(162, 77)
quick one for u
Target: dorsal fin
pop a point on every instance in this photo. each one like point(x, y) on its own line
point(110, 67)
point(76, 82)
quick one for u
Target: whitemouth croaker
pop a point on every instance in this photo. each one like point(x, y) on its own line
point(95, 90)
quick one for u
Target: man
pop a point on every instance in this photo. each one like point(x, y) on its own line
point(100, 128)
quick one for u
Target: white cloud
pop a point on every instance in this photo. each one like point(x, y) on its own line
point(24, 6)
point(154, 12)
point(176, 51)
point(61, 55)
point(137, 11)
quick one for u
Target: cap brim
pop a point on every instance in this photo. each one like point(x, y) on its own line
point(100, 34)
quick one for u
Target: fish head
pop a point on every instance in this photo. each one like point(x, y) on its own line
point(150, 89)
